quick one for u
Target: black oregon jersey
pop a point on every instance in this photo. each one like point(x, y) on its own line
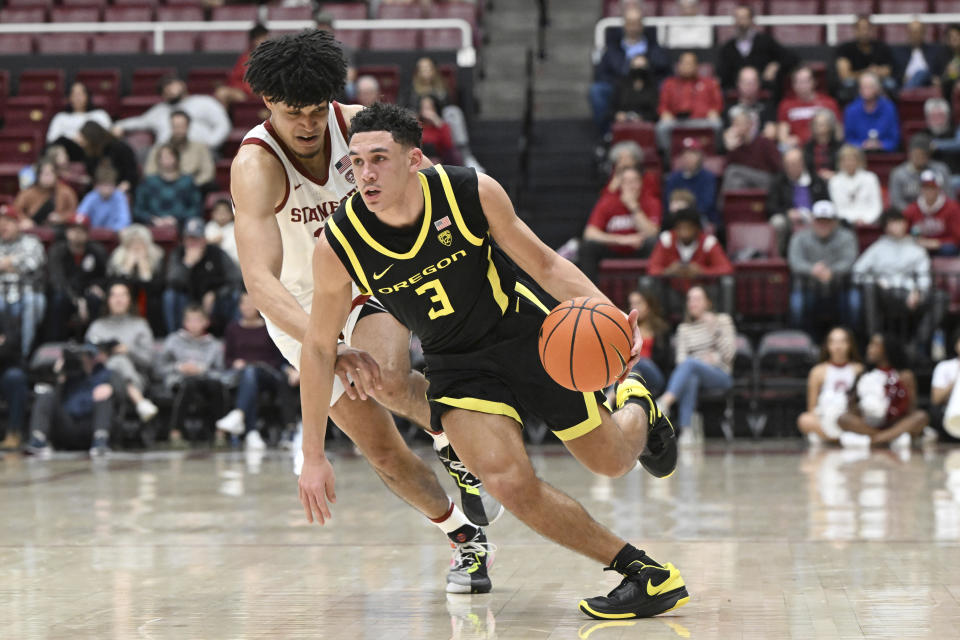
point(440, 277)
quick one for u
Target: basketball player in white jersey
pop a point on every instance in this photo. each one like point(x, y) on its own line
point(290, 174)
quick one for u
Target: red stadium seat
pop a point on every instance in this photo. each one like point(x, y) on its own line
point(233, 41)
point(640, 132)
point(20, 147)
point(235, 12)
point(206, 81)
point(4, 83)
point(400, 12)
point(867, 234)
point(290, 13)
point(856, 7)
point(883, 163)
point(441, 39)
point(18, 15)
point(352, 38)
point(726, 7)
point(128, 14)
point(42, 82)
point(103, 85)
point(346, 10)
point(394, 39)
point(388, 76)
point(10, 178)
point(946, 277)
point(808, 35)
point(232, 144)
point(449, 74)
point(650, 7)
point(139, 141)
point(84, 3)
point(119, 43)
point(223, 174)
point(910, 128)
point(179, 42)
point(28, 113)
point(63, 43)
point(18, 43)
point(745, 205)
point(180, 14)
point(27, 3)
point(247, 113)
point(146, 82)
point(797, 7)
point(75, 14)
point(763, 288)
point(755, 236)
point(135, 105)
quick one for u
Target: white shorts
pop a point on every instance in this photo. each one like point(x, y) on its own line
point(291, 348)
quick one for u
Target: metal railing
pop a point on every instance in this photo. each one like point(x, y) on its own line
point(466, 54)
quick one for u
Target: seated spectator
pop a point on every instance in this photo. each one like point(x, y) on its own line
point(624, 45)
point(368, 90)
point(68, 171)
point(680, 199)
point(871, 121)
point(101, 147)
point(691, 175)
point(934, 218)
point(619, 226)
point(863, 55)
point(944, 379)
point(78, 269)
point(636, 96)
point(706, 344)
point(128, 343)
point(748, 98)
point(944, 141)
point(820, 152)
point(750, 47)
point(685, 255)
point(951, 71)
point(67, 123)
point(883, 406)
point(919, 63)
point(196, 161)
point(904, 182)
point(13, 382)
point(895, 275)
point(251, 355)
point(688, 99)
point(437, 141)
point(167, 198)
point(199, 273)
point(236, 88)
point(694, 34)
point(795, 113)
point(655, 356)
point(792, 195)
point(821, 257)
point(191, 366)
point(628, 154)
point(854, 190)
point(22, 259)
point(78, 412)
point(105, 206)
point(752, 159)
point(209, 122)
point(138, 261)
point(828, 387)
point(48, 202)
point(219, 231)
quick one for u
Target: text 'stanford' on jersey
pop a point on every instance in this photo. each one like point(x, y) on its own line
point(440, 277)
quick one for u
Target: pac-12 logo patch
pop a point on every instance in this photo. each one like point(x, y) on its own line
point(445, 237)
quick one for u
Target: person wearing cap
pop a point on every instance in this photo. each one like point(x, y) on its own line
point(105, 206)
point(821, 257)
point(688, 99)
point(21, 275)
point(934, 218)
point(691, 175)
point(200, 273)
point(855, 190)
point(167, 198)
point(685, 256)
point(871, 121)
point(78, 274)
point(791, 196)
point(904, 184)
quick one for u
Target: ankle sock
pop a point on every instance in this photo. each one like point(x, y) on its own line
point(455, 524)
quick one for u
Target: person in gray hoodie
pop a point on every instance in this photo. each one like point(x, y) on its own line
point(905, 179)
point(894, 273)
point(821, 257)
point(129, 343)
point(191, 365)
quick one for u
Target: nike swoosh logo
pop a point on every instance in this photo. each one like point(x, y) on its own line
point(377, 276)
point(297, 186)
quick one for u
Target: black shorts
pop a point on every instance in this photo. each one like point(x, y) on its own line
point(505, 377)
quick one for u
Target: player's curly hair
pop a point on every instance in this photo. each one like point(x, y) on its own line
point(299, 69)
point(401, 123)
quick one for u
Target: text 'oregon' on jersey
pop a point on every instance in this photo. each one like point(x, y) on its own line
point(440, 277)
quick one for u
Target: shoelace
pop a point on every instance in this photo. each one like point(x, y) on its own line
point(458, 466)
point(463, 549)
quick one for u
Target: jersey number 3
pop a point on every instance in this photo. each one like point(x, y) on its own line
point(445, 307)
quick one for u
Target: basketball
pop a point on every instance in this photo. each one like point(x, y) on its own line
point(585, 344)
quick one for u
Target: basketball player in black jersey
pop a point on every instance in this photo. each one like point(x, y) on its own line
point(420, 240)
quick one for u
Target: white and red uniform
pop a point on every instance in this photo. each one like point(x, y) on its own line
point(883, 397)
point(838, 381)
point(308, 201)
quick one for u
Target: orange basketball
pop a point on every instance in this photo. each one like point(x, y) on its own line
point(585, 344)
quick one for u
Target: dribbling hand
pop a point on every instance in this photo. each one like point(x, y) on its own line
point(637, 343)
point(316, 488)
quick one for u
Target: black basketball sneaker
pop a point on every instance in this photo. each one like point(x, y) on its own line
point(659, 457)
point(647, 589)
point(480, 507)
point(472, 556)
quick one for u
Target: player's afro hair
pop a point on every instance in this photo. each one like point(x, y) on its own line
point(299, 69)
point(401, 123)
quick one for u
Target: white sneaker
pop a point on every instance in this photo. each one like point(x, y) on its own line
point(687, 438)
point(232, 422)
point(254, 442)
point(146, 410)
point(814, 439)
point(902, 441)
point(929, 436)
point(852, 440)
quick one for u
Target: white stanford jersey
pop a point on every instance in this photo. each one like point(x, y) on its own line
point(308, 200)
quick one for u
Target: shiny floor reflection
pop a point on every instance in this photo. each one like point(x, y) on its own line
point(773, 541)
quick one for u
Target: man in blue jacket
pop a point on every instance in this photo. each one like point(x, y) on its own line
point(871, 121)
point(691, 175)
